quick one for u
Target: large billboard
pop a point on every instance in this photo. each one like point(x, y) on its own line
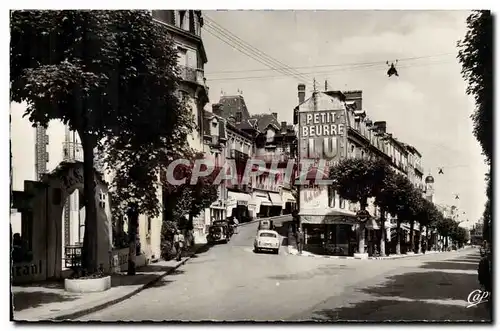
point(322, 131)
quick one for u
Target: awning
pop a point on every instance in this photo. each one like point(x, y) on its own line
point(287, 197)
point(262, 199)
point(237, 198)
point(333, 217)
point(275, 199)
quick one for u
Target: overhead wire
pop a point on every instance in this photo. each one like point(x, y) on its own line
point(354, 69)
point(382, 62)
point(244, 47)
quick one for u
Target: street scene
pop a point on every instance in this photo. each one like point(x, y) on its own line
point(171, 165)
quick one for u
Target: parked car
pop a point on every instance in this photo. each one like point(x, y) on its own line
point(266, 225)
point(218, 232)
point(267, 240)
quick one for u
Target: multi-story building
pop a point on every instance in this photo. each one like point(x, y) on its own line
point(332, 126)
point(239, 148)
point(263, 139)
point(184, 26)
point(275, 147)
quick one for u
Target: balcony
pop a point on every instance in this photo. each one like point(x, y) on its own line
point(192, 75)
point(267, 187)
point(419, 168)
point(270, 157)
point(72, 152)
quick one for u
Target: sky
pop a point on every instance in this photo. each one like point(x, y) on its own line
point(426, 106)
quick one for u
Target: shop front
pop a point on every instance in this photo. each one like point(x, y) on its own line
point(237, 206)
point(330, 234)
point(276, 204)
point(289, 202)
point(262, 203)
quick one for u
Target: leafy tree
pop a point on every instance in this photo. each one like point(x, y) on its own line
point(424, 216)
point(191, 200)
point(476, 56)
point(398, 197)
point(357, 180)
point(459, 235)
point(105, 74)
point(445, 228)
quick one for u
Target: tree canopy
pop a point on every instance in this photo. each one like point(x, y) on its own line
point(111, 76)
point(476, 56)
point(357, 180)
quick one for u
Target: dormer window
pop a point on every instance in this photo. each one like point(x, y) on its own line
point(270, 136)
point(239, 117)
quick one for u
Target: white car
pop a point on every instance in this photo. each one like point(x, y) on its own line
point(267, 240)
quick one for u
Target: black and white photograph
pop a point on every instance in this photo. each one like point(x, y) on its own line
point(274, 166)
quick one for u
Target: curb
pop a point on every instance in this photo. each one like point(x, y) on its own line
point(369, 258)
point(90, 310)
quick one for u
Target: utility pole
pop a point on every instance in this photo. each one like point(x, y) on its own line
point(326, 85)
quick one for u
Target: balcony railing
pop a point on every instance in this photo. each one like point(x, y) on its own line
point(267, 187)
point(192, 75)
point(270, 157)
point(72, 152)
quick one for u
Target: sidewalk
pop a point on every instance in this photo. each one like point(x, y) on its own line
point(49, 301)
point(292, 250)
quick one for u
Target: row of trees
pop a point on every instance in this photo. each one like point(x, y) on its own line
point(112, 77)
point(476, 56)
point(358, 180)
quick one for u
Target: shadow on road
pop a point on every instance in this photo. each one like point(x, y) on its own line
point(138, 279)
point(448, 265)
point(25, 300)
point(427, 285)
point(390, 310)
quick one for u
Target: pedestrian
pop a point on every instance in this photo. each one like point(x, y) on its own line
point(424, 245)
point(236, 224)
point(179, 244)
point(300, 240)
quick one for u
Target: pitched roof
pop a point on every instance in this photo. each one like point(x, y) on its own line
point(230, 105)
point(264, 120)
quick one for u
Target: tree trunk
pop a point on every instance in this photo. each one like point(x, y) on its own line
point(89, 249)
point(412, 236)
point(446, 242)
point(383, 233)
point(362, 225)
point(133, 224)
point(419, 243)
point(398, 238)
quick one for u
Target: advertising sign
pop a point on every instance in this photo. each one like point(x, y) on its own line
point(322, 134)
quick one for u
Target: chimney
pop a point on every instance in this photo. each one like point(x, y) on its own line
point(275, 115)
point(217, 108)
point(283, 126)
point(301, 88)
point(381, 126)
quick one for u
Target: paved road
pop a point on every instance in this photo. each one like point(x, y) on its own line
point(230, 282)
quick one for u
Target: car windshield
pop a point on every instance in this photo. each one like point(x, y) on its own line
point(267, 234)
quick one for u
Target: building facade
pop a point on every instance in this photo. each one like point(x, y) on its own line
point(184, 26)
point(333, 125)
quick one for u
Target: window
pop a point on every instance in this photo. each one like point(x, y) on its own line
point(331, 197)
point(239, 117)
point(149, 224)
point(182, 56)
point(268, 234)
point(341, 203)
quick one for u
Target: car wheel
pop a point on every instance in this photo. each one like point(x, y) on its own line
point(277, 251)
point(256, 250)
